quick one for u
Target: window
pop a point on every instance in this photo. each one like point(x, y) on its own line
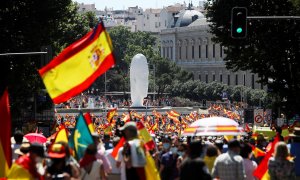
point(158, 24)
point(244, 79)
point(147, 16)
point(206, 78)
point(206, 49)
point(214, 77)
point(221, 78)
point(236, 80)
point(164, 52)
point(252, 81)
point(171, 52)
point(179, 52)
point(186, 52)
point(200, 77)
point(228, 80)
point(199, 51)
point(193, 52)
point(214, 52)
point(165, 23)
point(221, 51)
point(167, 52)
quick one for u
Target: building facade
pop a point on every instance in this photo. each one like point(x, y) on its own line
point(189, 44)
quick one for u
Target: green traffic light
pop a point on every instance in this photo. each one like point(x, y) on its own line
point(239, 30)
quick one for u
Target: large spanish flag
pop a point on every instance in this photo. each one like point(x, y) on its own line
point(5, 132)
point(79, 65)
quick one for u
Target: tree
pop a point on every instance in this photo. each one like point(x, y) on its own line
point(26, 26)
point(270, 49)
point(127, 44)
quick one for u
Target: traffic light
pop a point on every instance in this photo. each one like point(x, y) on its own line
point(238, 22)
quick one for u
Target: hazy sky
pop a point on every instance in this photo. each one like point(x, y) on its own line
point(123, 4)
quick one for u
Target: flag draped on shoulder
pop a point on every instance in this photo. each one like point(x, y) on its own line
point(81, 137)
point(5, 131)
point(79, 65)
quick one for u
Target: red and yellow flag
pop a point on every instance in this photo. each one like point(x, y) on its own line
point(110, 114)
point(261, 172)
point(61, 135)
point(115, 151)
point(257, 152)
point(79, 65)
point(5, 131)
point(89, 122)
point(174, 113)
point(145, 136)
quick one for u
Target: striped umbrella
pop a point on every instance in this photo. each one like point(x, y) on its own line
point(214, 126)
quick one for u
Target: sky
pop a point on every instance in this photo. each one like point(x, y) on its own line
point(124, 4)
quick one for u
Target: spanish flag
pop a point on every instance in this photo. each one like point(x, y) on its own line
point(261, 172)
point(257, 152)
point(110, 114)
point(89, 122)
point(5, 131)
point(145, 136)
point(79, 65)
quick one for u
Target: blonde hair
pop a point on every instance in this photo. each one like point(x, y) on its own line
point(281, 150)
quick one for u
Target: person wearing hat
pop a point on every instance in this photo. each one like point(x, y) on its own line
point(131, 157)
point(230, 165)
point(25, 167)
point(24, 149)
point(295, 149)
point(58, 168)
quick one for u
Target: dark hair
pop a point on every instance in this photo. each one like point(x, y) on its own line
point(195, 149)
point(233, 144)
point(91, 149)
point(18, 136)
point(246, 150)
point(211, 151)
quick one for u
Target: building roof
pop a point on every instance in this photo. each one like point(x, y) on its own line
point(187, 16)
point(199, 22)
point(174, 9)
point(154, 11)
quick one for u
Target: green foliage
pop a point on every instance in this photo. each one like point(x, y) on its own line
point(126, 45)
point(271, 48)
point(197, 91)
point(26, 26)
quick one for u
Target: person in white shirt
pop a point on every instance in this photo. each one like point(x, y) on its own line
point(131, 157)
point(115, 172)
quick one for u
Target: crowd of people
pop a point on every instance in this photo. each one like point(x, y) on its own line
point(175, 157)
point(156, 121)
point(110, 101)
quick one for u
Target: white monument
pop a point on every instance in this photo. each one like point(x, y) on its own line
point(139, 73)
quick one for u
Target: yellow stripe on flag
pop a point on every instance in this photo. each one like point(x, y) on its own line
point(3, 170)
point(76, 69)
point(61, 136)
